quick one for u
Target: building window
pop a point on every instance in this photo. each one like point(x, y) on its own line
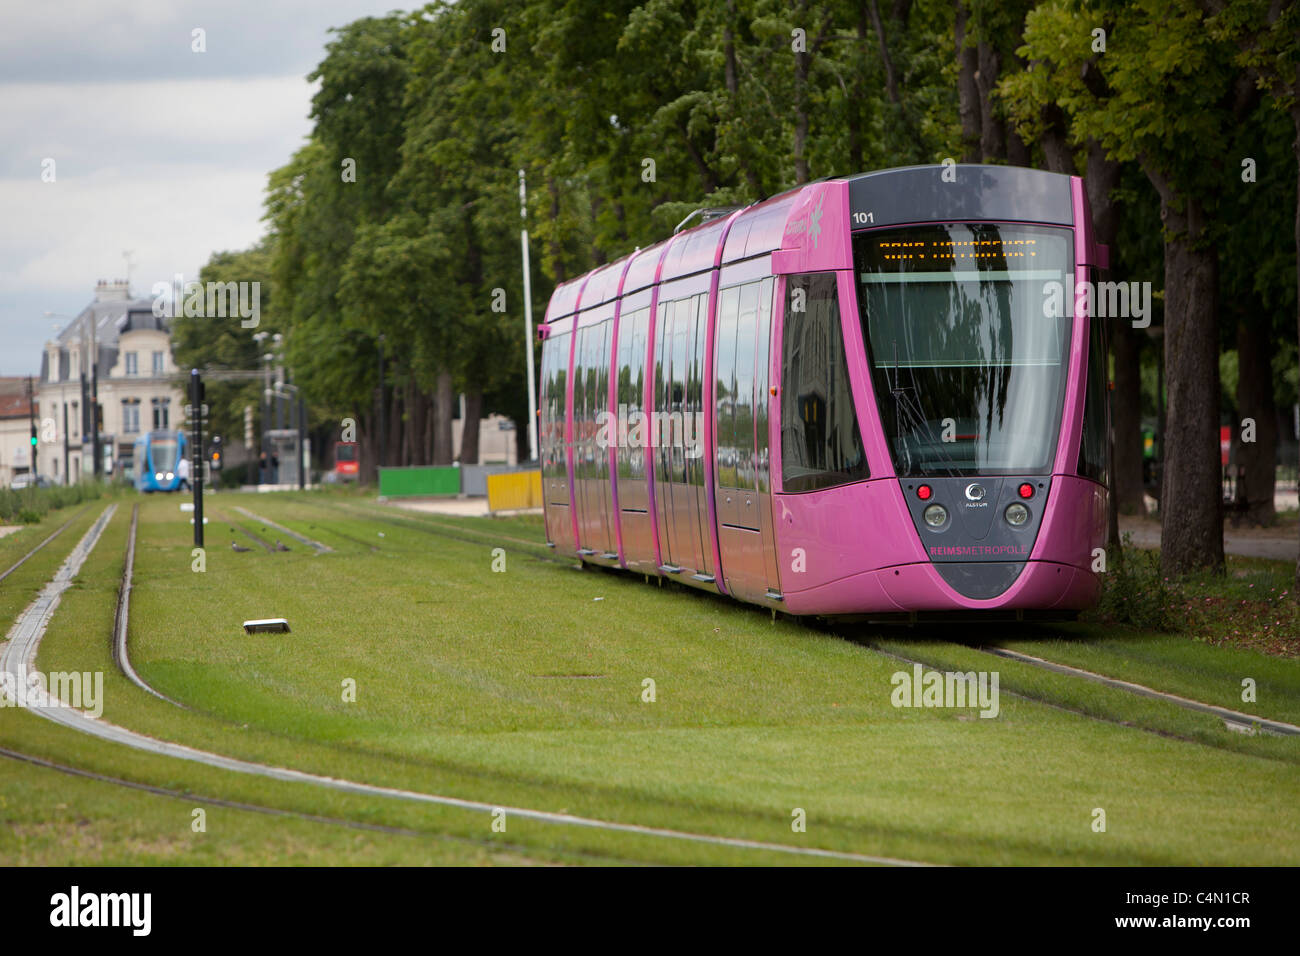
point(161, 413)
point(130, 416)
point(157, 363)
point(132, 364)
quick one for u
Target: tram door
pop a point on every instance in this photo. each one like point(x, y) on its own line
point(741, 414)
point(591, 490)
point(554, 450)
point(680, 501)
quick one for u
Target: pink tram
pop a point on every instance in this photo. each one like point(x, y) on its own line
point(875, 395)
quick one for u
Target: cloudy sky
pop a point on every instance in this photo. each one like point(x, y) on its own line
point(157, 149)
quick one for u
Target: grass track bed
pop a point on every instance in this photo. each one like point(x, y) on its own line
point(521, 688)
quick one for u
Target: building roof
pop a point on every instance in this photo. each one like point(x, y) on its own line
point(13, 397)
point(113, 313)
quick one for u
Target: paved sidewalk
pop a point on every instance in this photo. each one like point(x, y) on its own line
point(1281, 543)
point(462, 507)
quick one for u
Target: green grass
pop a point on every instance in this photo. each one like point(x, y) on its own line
point(522, 688)
point(32, 505)
point(20, 588)
point(1177, 665)
point(51, 818)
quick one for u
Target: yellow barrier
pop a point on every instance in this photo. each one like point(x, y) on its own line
point(514, 491)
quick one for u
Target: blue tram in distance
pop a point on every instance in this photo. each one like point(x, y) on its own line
point(156, 456)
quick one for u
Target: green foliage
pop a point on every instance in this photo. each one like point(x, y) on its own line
point(1135, 592)
point(30, 505)
point(222, 343)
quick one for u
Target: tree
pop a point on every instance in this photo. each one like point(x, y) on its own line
point(1169, 95)
point(208, 342)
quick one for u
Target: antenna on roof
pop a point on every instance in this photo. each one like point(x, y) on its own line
point(706, 214)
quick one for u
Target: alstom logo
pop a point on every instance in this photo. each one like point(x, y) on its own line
point(975, 495)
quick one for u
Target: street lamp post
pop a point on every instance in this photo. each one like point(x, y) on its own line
point(380, 456)
point(63, 400)
point(264, 457)
point(528, 320)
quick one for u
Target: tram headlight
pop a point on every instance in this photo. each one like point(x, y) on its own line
point(1016, 514)
point(935, 516)
point(157, 476)
point(170, 476)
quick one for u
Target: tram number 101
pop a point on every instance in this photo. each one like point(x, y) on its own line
point(863, 218)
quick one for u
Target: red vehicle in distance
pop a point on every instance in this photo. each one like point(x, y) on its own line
point(346, 459)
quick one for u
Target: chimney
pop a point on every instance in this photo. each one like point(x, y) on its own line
point(114, 291)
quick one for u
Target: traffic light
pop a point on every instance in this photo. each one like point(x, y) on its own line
point(33, 436)
point(214, 453)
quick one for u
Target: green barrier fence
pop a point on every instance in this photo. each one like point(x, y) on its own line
point(397, 482)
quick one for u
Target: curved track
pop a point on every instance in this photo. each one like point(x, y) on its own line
point(1235, 718)
point(58, 531)
point(121, 655)
point(18, 656)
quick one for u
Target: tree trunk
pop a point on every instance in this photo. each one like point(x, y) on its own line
point(993, 135)
point(1191, 502)
point(1056, 150)
point(1295, 147)
point(367, 445)
point(853, 116)
point(801, 64)
point(557, 247)
point(442, 450)
point(395, 426)
point(891, 79)
point(1256, 459)
point(968, 94)
point(417, 415)
point(1126, 420)
point(469, 454)
point(1125, 345)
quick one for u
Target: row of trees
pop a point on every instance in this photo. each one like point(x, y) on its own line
point(397, 221)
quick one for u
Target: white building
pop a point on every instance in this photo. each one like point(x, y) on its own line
point(137, 389)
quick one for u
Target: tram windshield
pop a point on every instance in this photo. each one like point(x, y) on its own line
point(163, 451)
point(967, 328)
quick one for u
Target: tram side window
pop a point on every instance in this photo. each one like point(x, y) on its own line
point(582, 375)
point(631, 385)
point(693, 422)
point(820, 443)
point(746, 325)
point(555, 362)
point(725, 388)
point(594, 342)
point(762, 478)
point(1094, 449)
point(663, 358)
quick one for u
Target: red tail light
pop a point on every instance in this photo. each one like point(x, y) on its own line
point(1026, 490)
point(924, 492)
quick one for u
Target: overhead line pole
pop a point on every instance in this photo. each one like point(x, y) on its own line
point(528, 321)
